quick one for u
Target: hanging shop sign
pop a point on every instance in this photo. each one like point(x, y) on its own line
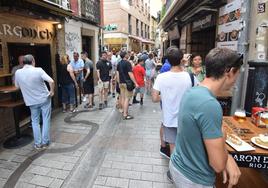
point(229, 25)
point(174, 33)
point(110, 27)
point(261, 8)
point(25, 32)
point(203, 23)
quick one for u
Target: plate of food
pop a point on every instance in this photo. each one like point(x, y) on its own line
point(261, 141)
point(237, 143)
point(222, 36)
point(234, 35)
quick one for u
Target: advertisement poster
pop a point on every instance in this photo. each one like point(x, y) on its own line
point(229, 25)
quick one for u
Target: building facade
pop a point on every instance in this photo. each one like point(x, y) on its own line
point(28, 27)
point(83, 29)
point(198, 26)
point(127, 25)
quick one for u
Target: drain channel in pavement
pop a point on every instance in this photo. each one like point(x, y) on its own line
point(12, 180)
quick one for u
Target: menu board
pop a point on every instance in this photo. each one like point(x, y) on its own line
point(229, 25)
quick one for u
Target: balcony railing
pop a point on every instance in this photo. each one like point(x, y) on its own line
point(64, 4)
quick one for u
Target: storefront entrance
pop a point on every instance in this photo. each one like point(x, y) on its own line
point(41, 53)
point(203, 41)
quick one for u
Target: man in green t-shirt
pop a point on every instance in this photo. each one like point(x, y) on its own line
point(200, 144)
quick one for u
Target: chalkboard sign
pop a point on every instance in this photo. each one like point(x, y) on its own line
point(257, 87)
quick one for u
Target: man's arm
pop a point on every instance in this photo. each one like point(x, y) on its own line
point(50, 81)
point(156, 96)
point(117, 77)
point(217, 153)
point(71, 72)
point(133, 78)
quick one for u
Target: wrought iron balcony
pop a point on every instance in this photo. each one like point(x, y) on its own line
point(64, 4)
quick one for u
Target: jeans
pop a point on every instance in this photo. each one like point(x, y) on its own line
point(45, 110)
point(68, 94)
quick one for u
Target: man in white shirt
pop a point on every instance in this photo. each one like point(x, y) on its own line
point(171, 85)
point(31, 81)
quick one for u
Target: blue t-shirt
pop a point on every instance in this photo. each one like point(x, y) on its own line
point(78, 65)
point(200, 118)
point(166, 67)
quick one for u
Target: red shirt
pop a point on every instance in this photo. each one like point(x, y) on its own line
point(139, 74)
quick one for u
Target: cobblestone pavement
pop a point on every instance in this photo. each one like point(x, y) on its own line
point(92, 149)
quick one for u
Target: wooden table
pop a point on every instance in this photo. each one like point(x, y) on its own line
point(8, 89)
point(19, 140)
point(258, 158)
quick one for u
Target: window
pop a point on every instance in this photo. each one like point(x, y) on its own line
point(129, 25)
point(141, 29)
point(137, 27)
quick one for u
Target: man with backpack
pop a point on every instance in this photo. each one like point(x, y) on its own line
point(169, 87)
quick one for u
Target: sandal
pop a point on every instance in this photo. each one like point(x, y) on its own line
point(128, 117)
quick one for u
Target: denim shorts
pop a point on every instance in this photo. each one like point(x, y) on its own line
point(140, 90)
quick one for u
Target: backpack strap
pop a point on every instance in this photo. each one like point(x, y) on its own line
point(192, 78)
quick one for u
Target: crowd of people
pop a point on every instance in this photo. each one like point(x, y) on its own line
point(183, 84)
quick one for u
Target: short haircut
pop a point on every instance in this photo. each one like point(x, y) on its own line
point(28, 59)
point(103, 52)
point(84, 53)
point(76, 53)
point(140, 60)
point(221, 60)
point(123, 54)
point(174, 55)
point(151, 55)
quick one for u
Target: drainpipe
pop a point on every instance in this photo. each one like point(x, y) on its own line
point(240, 88)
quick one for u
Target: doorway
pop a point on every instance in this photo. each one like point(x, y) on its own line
point(87, 45)
point(41, 53)
point(203, 41)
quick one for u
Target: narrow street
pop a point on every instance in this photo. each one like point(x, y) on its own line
point(92, 149)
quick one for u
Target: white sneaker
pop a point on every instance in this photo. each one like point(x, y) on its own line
point(84, 99)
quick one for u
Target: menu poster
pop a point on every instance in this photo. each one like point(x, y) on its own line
point(229, 25)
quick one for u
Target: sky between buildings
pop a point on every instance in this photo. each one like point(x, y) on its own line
point(156, 5)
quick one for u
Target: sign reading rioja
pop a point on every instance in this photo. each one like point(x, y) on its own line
point(26, 32)
point(251, 161)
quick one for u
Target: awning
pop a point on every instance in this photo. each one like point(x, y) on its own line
point(54, 8)
point(141, 39)
point(182, 12)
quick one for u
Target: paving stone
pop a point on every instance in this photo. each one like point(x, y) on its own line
point(107, 164)
point(42, 180)
point(142, 167)
point(100, 186)
point(24, 185)
point(59, 174)
point(8, 165)
point(100, 180)
point(121, 165)
point(140, 184)
point(5, 173)
point(130, 174)
point(153, 177)
point(162, 185)
point(160, 169)
point(117, 182)
point(68, 166)
point(2, 182)
point(39, 170)
point(19, 158)
point(133, 159)
point(109, 172)
point(57, 183)
point(26, 177)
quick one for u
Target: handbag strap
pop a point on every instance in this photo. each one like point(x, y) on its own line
point(192, 78)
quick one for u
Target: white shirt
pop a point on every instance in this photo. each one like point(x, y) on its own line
point(172, 86)
point(30, 80)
